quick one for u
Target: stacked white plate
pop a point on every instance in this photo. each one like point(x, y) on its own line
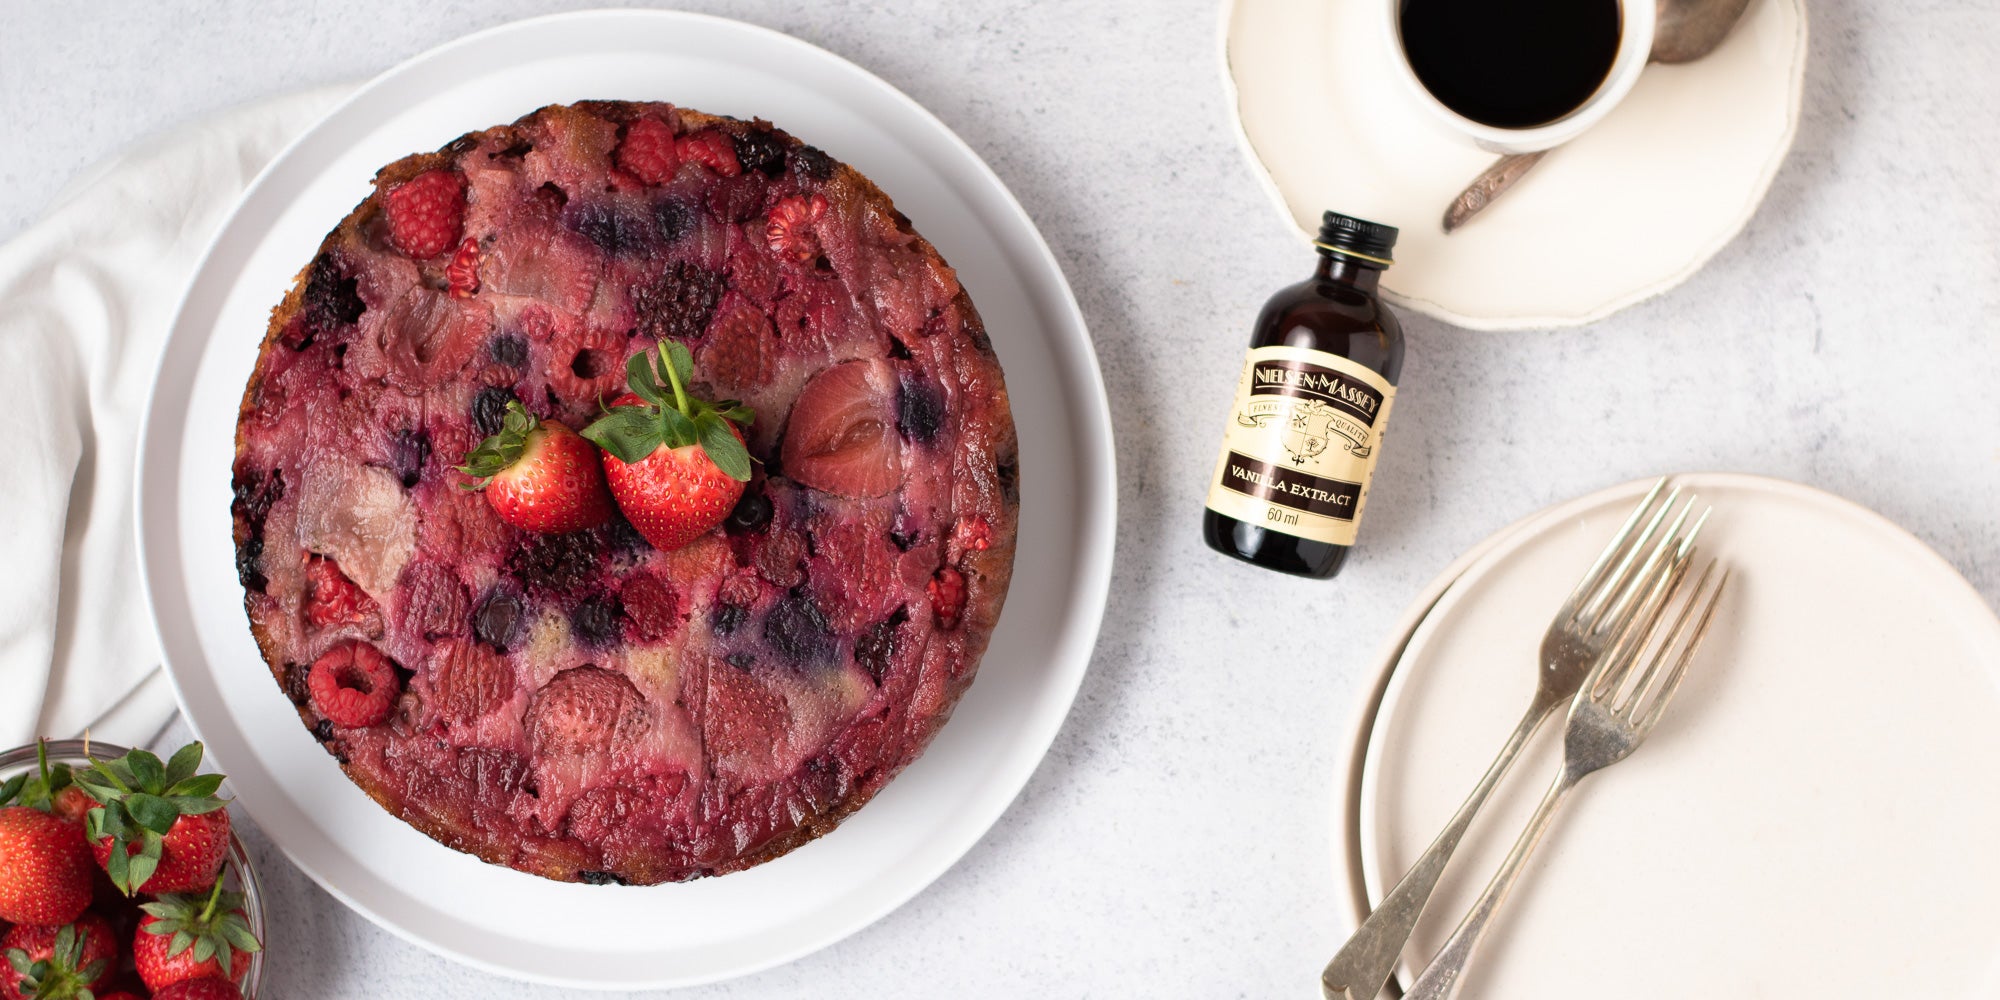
point(1813, 817)
point(672, 935)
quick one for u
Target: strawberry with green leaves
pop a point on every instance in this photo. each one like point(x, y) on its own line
point(51, 788)
point(70, 962)
point(191, 937)
point(539, 475)
point(45, 870)
point(676, 464)
point(159, 828)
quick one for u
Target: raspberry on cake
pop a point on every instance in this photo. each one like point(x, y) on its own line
point(582, 704)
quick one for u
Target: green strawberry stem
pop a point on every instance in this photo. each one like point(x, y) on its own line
point(38, 788)
point(502, 449)
point(668, 417)
point(214, 893)
point(673, 374)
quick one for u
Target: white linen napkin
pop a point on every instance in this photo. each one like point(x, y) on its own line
point(85, 299)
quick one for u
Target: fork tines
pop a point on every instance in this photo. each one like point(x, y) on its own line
point(1665, 652)
point(1615, 588)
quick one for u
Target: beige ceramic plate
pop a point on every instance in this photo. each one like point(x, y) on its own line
point(1811, 819)
point(1629, 210)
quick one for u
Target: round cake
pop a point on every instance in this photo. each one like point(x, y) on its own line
point(584, 706)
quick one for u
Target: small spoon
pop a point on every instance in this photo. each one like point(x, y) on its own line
point(1685, 31)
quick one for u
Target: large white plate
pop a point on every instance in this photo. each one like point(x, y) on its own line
point(577, 935)
point(1810, 818)
point(1624, 212)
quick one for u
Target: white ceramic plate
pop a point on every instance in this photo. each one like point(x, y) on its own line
point(1627, 211)
point(670, 935)
point(1811, 817)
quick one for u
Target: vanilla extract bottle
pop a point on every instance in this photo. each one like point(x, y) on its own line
point(1306, 427)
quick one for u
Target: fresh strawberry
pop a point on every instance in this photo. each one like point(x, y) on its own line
point(205, 988)
point(183, 937)
point(353, 685)
point(463, 272)
point(73, 804)
point(789, 231)
point(675, 464)
point(161, 827)
point(58, 963)
point(50, 788)
point(675, 494)
point(332, 598)
point(191, 852)
point(122, 995)
point(425, 213)
point(712, 149)
point(45, 868)
point(648, 151)
point(539, 475)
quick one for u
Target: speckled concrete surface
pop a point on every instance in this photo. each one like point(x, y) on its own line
point(1177, 840)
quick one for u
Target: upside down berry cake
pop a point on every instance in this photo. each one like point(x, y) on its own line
point(583, 705)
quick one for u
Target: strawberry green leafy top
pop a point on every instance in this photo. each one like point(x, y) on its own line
point(670, 417)
point(140, 798)
point(501, 449)
point(213, 926)
point(64, 974)
point(37, 789)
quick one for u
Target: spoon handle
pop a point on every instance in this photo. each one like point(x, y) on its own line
point(1490, 184)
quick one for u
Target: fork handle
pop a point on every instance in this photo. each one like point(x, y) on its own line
point(1441, 979)
point(1364, 963)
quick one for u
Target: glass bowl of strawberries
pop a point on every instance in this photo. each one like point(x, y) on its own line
point(121, 878)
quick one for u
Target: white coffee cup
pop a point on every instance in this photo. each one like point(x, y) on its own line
point(1635, 45)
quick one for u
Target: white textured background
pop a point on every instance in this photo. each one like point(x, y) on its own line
point(1177, 840)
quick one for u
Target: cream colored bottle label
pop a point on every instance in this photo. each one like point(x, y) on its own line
point(1301, 443)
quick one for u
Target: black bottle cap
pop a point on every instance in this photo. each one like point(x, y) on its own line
point(1369, 242)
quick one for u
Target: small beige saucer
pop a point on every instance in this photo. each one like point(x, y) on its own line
point(1623, 213)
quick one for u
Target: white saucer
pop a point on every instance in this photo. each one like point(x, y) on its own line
point(1627, 211)
point(1811, 819)
point(611, 936)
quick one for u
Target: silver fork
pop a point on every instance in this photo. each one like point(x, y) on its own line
point(1602, 603)
point(1612, 714)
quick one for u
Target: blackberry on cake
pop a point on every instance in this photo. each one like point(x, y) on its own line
point(633, 697)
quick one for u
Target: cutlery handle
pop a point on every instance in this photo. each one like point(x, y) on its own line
point(1490, 184)
point(1440, 980)
point(1364, 963)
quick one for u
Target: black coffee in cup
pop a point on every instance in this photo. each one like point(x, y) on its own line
point(1511, 63)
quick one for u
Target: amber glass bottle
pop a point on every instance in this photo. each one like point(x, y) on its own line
point(1306, 427)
